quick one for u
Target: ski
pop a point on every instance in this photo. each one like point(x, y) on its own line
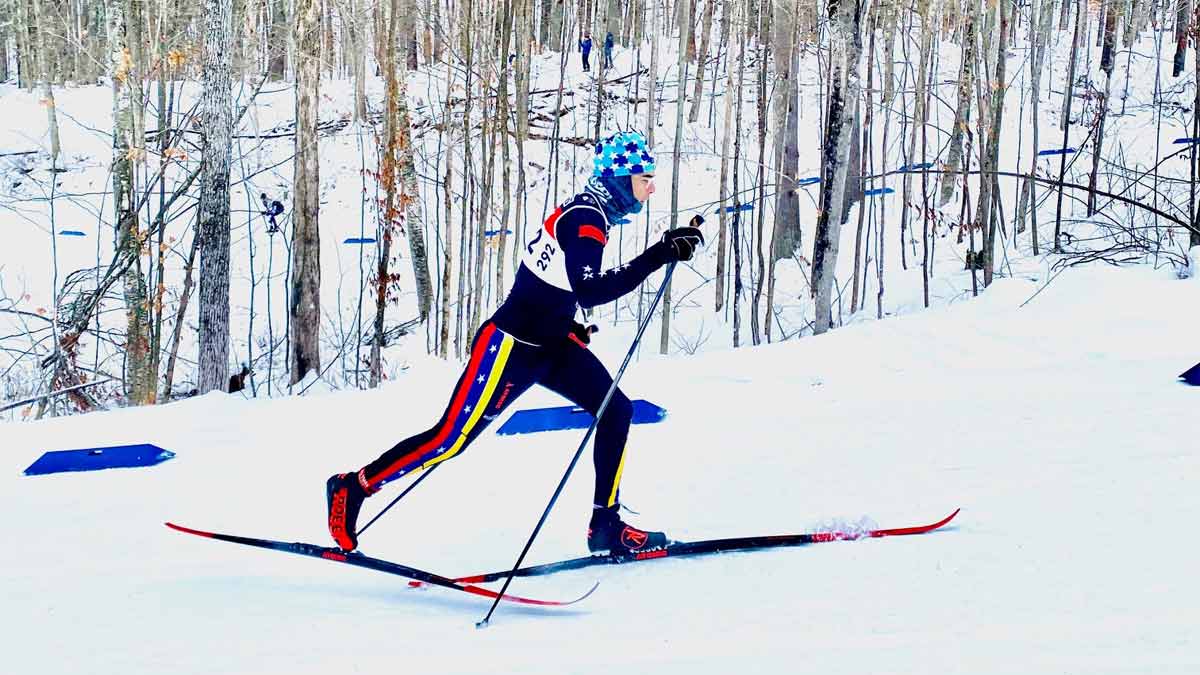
point(702, 547)
point(416, 576)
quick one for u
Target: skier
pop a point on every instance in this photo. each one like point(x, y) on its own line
point(585, 46)
point(533, 338)
point(608, 47)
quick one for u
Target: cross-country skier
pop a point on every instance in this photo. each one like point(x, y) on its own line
point(533, 338)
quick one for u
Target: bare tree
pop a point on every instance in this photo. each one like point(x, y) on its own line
point(685, 22)
point(139, 382)
point(787, 122)
point(305, 301)
point(846, 48)
point(217, 122)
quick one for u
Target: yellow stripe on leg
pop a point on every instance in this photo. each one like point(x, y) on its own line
point(612, 496)
point(485, 399)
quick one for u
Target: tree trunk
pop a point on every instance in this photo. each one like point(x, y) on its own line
point(1183, 14)
point(694, 113)
point(787, 235)
point(277, 42)
point(723, 233)
point(1041, 45)
point(4, 52)
point(139, 386)
point(998, 89)
point(414, 207)
point(1107, 56)
point(962, 115)
point(305, 301)
point(47, 77)
point(846, 48)
point(685, 22)
point(216, 110)
point(1066, 118)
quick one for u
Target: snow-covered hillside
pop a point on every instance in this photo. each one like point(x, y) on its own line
point(1058, 427)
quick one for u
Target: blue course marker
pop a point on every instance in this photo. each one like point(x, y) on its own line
point(1055, 151)
point(94, 459)
point(740, 207)
point(71, 233)
point(1186, 141)
point(492, 233)
point(811, 180)
point(570, 417)
point(359, 240)
point(879, 191)
point(915, 167)
point(1192, 375)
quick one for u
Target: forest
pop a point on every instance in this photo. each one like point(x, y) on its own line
point(266, 196)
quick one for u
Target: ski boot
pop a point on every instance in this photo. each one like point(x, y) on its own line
point(609, 534)
point(344, 495)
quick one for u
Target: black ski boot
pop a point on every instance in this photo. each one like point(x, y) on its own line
point(344, 496)
point(608, 533)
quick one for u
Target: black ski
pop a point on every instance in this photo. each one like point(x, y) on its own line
point(359, 560)
point(704, 547)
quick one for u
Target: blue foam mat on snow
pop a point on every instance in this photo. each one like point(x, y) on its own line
point(1192, 375)
point(571, 417)
point(94, 459)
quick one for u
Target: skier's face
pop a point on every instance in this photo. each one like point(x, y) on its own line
point(643, 186)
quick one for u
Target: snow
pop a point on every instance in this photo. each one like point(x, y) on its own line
point(1047, 408)
point(1057, 426)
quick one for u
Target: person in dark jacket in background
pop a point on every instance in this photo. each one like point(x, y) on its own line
point(608, 46)
point(533, 338)
point(585, 46)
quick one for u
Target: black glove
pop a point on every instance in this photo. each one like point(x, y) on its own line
point(684, 240)
point(582, 335)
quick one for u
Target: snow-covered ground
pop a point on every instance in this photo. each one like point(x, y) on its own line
point(1058, 427)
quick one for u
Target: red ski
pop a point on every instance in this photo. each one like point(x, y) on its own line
point(417, 576)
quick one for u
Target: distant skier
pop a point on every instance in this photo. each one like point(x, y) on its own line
point(533, 338)
point(608, 46)
point(585, 46)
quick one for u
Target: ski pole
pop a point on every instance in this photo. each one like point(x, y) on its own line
point(591, 429)
point(407, 490)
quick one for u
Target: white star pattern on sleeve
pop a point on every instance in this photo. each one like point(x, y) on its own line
point(587, 268)
point(480, 380)
point(587, 275)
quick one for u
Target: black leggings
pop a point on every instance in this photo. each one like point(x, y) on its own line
point(501, 368)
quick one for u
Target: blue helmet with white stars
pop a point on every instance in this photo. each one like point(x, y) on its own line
point(625, 153)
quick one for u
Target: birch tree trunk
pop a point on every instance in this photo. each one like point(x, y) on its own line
point(139, 386)
point(787, 235)
point(846, 48)
point(962, 114)
point(47, 77)
point(414, 207)
point(731, 92)
point(305, 302)
point(216, 110)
